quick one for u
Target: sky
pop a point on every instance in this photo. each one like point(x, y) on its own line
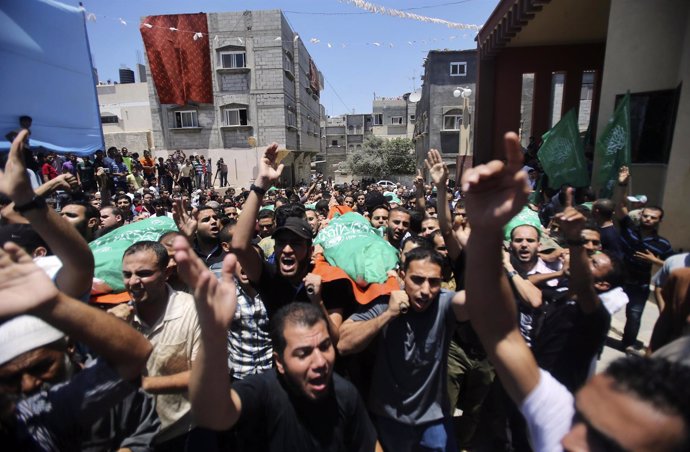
point(354, 68)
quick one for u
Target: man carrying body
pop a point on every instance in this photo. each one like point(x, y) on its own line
point(289, 278)
point(301, 405)
point(111, 219)
point(398, 225)
point(408, 393)
point(168, 319)
point(636, 405)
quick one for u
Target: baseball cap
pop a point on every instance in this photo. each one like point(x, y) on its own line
point(297, 226)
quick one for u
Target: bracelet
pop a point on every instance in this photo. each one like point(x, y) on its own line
point(258, 190)
point(37, 202)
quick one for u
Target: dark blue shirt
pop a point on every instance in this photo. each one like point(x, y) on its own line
point(632, 241)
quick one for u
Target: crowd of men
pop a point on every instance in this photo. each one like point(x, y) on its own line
point(232, 337)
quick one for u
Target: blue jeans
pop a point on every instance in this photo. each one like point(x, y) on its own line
point(637, 295)
point(434, 436)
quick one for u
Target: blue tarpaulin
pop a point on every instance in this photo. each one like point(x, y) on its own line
point(47, 74)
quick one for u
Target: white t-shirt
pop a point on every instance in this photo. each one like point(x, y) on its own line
point(549, 411)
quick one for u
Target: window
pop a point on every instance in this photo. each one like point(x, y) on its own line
point(334, 142)
point(235, 117)
point(458, 69)
point(111, 119)
point(413, 118)
point(290, 118)
point(186, 119)
point(233, 60)
point(396, 119)
point(378, 119)
point(452, 120)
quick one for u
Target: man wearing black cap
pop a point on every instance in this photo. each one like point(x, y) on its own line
point(289, 277)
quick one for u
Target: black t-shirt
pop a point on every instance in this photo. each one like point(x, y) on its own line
point(568, 341)
point(276, 291)
point(275, 419)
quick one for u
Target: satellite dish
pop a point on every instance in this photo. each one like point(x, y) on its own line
point(415, 97)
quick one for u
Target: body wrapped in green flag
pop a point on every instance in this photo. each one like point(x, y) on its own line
point(109, 249)
point(351, 243)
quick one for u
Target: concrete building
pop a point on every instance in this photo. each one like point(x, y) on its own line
point(266, 89)
point(126, 116)
point(126, 75)
point(439, 113)
point(602, 49)
point(343, 135)
point(393, 117)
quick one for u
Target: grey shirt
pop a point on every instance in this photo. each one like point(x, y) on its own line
point(409, 380)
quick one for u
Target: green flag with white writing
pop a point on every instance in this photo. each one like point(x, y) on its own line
point(561, 154)
point(613, 148)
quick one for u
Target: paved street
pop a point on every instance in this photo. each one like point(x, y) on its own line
point(611, 351)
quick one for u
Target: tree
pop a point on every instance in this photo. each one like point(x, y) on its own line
point(380, 158)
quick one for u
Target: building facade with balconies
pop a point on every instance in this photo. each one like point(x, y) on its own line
point(265, 89)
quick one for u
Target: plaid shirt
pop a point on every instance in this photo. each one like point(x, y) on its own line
point(249, 344)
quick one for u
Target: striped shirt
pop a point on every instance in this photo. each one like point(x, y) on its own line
point(249, 344)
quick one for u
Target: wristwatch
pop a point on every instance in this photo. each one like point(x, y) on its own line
point(258, 190)
point(37, 202)
point(512, 273)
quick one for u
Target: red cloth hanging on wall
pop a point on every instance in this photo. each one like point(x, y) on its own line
point(180, 66)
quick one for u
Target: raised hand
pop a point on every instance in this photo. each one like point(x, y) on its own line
point(496, 191)
point(65, 182)
point(23, 285)
point(419, 180)
point(185, 222)
point(14, 181)
point(269, 170)
point(216, 300)
point(623, 175)
point(570, 221)
point(437, 169)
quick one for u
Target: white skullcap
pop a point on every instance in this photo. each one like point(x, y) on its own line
point(23, 334)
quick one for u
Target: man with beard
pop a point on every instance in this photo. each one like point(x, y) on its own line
point(300, 405)
point(413, 328)
point(111, 219)
point(289, 277)
point(524, 250)
point(33, 356)
point(84, 217)
point(398, 225)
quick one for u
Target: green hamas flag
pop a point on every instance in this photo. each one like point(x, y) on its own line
point(562, 156)
point(613, 148)
point(109, 249)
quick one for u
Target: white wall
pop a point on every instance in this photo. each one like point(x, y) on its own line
point(648, 49)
